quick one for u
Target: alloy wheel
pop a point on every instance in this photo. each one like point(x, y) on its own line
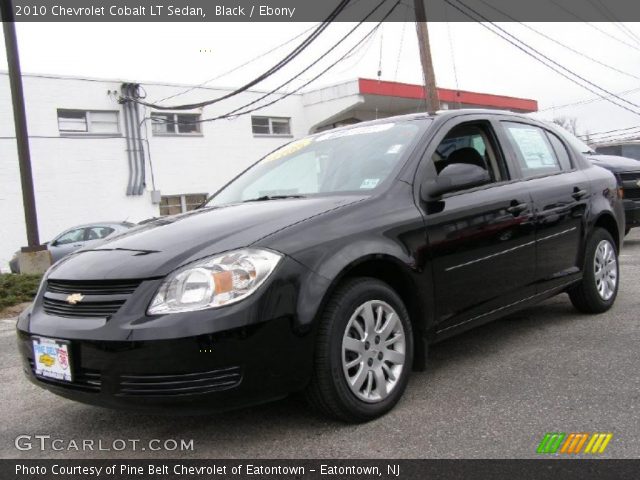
point(605, 268)
point(373, 351)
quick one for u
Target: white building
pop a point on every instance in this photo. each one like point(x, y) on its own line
point(86, 168)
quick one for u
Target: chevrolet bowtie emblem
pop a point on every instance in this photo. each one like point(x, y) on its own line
point(638, 183)
point(75, 298)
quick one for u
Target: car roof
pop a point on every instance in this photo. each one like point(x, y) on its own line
point(440, 114)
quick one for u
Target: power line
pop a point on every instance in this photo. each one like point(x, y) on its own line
point(315, 62)
point(287, 59)
point(557, 42)
point(611, 138)
point(582, 20)
point(603, 9)
point(587, 101)
point(615, 130)
point(634, 136)
point(348, 54)
point(543, 58)
point(238, 67)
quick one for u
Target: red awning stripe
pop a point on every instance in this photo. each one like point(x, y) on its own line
point(406, 90)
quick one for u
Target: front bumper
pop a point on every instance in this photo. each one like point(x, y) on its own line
point(182, 376)
point(250, 352)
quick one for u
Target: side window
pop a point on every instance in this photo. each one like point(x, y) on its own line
point(96, 233)
point(561, 152)
point(73, 236)
point(533, 149)
point(472, 144)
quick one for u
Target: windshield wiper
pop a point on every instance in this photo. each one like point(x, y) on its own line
point(264, 198)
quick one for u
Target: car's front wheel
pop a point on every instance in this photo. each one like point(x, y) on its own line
point(599, 286)
point(364, 352)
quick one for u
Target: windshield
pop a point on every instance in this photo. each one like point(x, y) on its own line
point(353, 159)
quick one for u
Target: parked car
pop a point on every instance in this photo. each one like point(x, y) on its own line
point(75, 238)
point(329, 267)
point(627, 172)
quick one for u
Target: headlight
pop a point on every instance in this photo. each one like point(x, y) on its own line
point(214, 281)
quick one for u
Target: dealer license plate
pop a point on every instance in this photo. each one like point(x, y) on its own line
point(52, 358)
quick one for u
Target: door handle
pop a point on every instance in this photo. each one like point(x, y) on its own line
point(578, 193)
point(517, 208)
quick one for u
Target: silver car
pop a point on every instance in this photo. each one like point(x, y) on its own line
point(77, 237)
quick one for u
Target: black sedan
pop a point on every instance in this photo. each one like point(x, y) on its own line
point(626, 171)
point(329, 267)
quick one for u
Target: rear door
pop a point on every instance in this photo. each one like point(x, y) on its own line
point(560, 195)
point(481, 239)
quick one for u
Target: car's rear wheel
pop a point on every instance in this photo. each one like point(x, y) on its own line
point(364, 352)
point(599, 286)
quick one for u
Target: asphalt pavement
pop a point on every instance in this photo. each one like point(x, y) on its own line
point(492, 392)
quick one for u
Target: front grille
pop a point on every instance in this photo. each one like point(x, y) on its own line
point(62, 308)
point(99, 299)
point(632, 193)
point(630, 185)
point(117, 287)
point(180, 384)
point(83, 379)
point(630, 176)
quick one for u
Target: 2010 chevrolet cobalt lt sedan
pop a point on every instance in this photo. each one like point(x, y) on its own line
point(329, 267)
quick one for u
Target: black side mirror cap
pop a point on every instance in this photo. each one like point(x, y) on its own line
point(453, 177)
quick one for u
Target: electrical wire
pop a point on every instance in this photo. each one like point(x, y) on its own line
point(238, 67)
point(609, 131)
point(634, 136)
point(582, 20)
point(557, 42)
point(587, 101)
point(348, 54)
point(278, 66)
point(312, 64)
point(548, 62)
point(607, 13)
point(612, 137)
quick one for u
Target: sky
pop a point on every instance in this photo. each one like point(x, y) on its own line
point(466, 56)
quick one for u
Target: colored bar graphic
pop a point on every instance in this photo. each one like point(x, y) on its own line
point(573, 443)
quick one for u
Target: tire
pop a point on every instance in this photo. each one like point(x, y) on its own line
point(335, 389)
point(588, 296)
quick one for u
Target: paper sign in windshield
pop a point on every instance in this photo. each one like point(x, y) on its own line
point(355, 131)
point(369, 183)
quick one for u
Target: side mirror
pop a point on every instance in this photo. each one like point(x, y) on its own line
point(454, 177)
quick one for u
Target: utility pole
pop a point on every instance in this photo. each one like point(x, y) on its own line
point(429, 76)
point(34, 258)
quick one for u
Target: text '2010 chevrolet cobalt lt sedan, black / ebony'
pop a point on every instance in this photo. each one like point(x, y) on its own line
point(329, 267)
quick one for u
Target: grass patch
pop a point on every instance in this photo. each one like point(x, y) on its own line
point(17, 288)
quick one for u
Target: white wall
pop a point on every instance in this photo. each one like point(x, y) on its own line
point(84, 180)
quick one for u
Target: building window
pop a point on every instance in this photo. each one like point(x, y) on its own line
point(175, 123)
point(174, 204)
point(276, 126)
point(93, 122)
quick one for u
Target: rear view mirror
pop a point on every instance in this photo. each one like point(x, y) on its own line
point(454, 177)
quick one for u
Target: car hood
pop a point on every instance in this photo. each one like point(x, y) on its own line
point(159, 247)
point(615, 163)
